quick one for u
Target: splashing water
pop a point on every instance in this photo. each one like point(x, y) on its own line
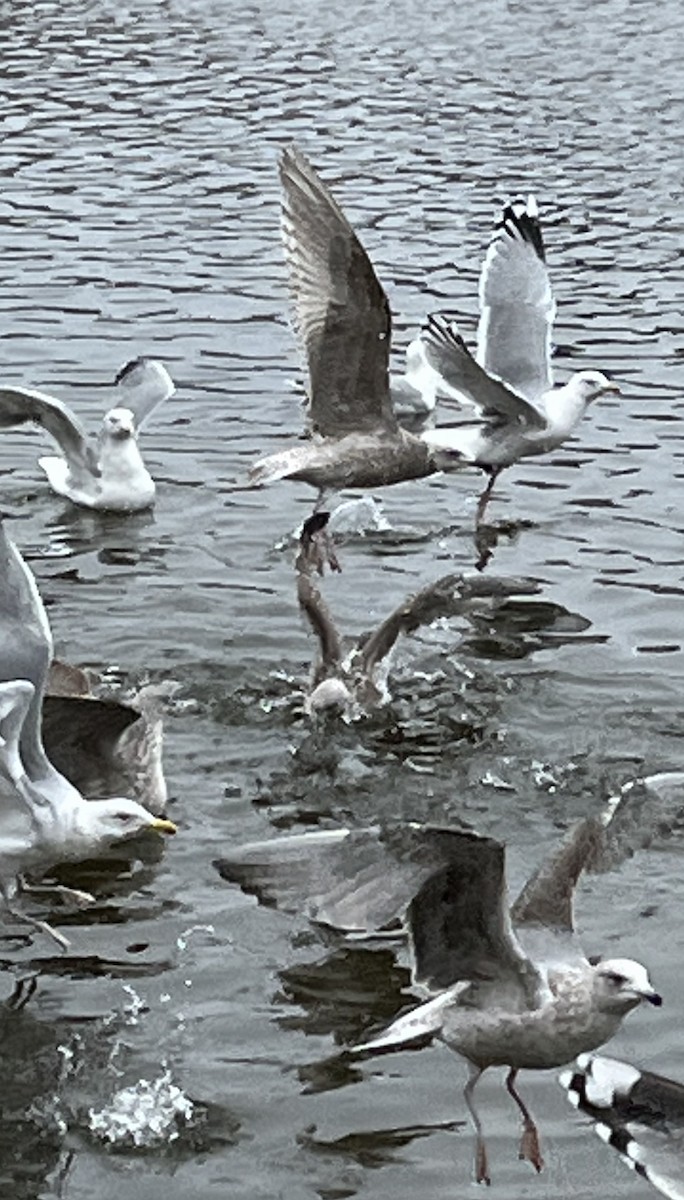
point(143, 1115)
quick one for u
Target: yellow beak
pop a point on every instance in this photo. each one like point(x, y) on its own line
point(161, 825)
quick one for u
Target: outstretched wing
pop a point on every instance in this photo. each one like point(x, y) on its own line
point(516, 303)
point(141, 386)
point(446, 351)
point(21, 406)
point(341, 313)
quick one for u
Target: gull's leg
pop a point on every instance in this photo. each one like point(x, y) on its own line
point(481, 1164)
point(22, 992)
point(79, 898)
point(493, 473)
point(317, 541)
point(41, 926)
point(530, 1150)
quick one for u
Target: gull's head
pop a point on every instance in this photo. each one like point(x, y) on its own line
point(589, 385)
point(119, 424)
point(112, 821)
point(620, 984)
point(329, 696)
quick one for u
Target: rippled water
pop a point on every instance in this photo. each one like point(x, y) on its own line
point(139, 214)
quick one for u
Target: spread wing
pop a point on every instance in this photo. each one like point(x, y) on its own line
point(21, 406)
point(446, 351)
point(516, 303)
point(341, 313)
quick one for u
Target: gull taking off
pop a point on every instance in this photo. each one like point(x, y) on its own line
point(44, 820)
point(104, 473)
point(342, 319)
point(510, 383)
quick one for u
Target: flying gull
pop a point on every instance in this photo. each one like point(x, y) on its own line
point(44, 820)
point(103, 746)
point(342, 319)
point(510, 382)
point(108, 472)
point(349, 682)
point(514, 988)
point(638, 1113)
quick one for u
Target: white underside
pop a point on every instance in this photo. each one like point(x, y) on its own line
point(129, 490)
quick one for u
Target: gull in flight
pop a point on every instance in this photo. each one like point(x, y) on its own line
point(44, 820)
point(514, 988)
point(108, 472)
point(342, 319)
point(510, 381)
point(638, 1113)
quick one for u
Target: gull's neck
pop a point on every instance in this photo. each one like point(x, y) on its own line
point(564, 408)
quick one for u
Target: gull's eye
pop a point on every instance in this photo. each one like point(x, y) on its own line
point(121, 816)
point(615, 978)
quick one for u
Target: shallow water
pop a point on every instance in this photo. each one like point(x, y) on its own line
point(139, 214)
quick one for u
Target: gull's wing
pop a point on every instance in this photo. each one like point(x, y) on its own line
point(311, 601)
point(141, 386)
point(25, 645)
point(445, 597)
point(80, 735)
point(460, 928)
point(341, 313)
point(66, 680)
point(516, 303)
point(16, 696)
point(446, 351)
point(356, 880)
point(638, 1113)
point(21, 406)
point(543, 912)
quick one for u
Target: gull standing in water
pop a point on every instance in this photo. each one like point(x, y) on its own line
point(44, 820)
point(107, 473)
point(510, 381)
point(342, 319)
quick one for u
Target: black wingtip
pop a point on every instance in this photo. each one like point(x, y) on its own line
point(440, 330)
point(128, 369)
point(518, 221)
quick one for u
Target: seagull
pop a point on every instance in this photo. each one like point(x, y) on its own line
point(510, 382)
point(638, 1113)
point(342, 319)
point(347, 682)
point(44, 820)
point(102, 745)
point(107, 473)
point(513, 986)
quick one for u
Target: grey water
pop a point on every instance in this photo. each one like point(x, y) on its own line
point(139, 214)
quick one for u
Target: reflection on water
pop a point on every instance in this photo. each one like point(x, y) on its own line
point(139, 214)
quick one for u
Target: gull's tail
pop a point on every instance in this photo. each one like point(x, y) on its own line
point(420, 1025)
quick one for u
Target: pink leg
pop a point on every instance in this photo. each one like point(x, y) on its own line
point(493, 473)
point(530, 1149)
point(481, 1164)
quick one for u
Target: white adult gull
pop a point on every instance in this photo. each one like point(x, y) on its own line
point(107, 472)
point(513, 986)
point(342, 319)
point(44, 820)
point(510, 382)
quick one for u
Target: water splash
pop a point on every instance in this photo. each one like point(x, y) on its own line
point(144, 1115)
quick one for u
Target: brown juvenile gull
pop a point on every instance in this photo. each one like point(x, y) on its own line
point(519, 991)
point(638, 1113)
point(510, 382)
point(44, 820)
point(349, 682)
point(342, 319)
point(103, 746)
point(107, 473)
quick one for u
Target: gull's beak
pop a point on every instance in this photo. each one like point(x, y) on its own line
point(654, 998)
point(611, 386)
point(161, 825)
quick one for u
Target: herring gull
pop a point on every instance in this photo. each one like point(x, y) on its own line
point(510, 382)
point(513, 986)
point(348, 682)
point(106, 473)
point(44, 820)
point(638, 1113)
point(342, 319)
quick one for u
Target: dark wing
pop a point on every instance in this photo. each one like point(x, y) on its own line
point(308, 562)
point(21, 406)
point(356, 880)
point(66, 680)
point(448, 354)
point(516, 303)
point(80, 736)
point(141, 386)
point(638, 1113)
point(459, 924)
point(341, 313)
